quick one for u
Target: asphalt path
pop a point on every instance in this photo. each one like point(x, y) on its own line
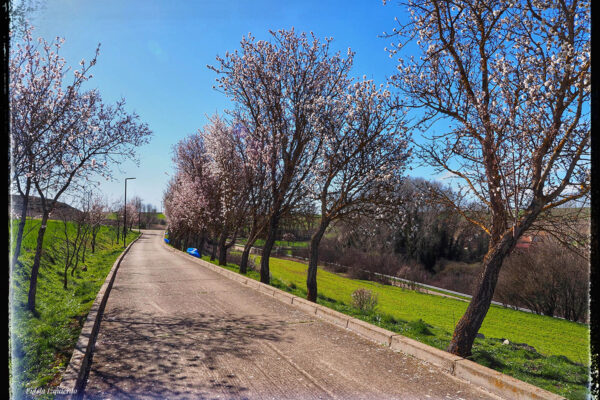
point(173, 329)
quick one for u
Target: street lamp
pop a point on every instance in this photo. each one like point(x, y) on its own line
point(125, 216)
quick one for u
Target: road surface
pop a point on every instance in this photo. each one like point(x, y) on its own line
point(175, 330)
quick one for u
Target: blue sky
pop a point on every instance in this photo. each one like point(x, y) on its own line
point(154, 54)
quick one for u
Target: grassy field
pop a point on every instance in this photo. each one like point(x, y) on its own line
point(278, 243)
point(42, 346)
point(547, 352)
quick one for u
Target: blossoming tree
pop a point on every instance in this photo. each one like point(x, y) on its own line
point(282, 86)
point(39, 104)
point(360, 162)
point(62, 136)
point(227, 169)
point(511, 82)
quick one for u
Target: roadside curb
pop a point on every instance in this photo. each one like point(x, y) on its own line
point(74, 377)
point(493, 381)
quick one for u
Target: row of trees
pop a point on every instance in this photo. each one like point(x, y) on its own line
point(500, 89)
point(303, 134)
point(63, 136)
point(81, 225)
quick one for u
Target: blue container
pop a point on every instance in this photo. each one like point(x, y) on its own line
point(167, 240)
point(193, 252)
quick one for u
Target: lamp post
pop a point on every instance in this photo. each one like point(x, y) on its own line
point(125, 216)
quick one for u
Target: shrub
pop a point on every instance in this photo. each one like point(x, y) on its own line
point(235, 257)
point(288, 237)
point(358, 273)
point(420, 327)
point(364, 300)
point(547, 278)
point(300, 252)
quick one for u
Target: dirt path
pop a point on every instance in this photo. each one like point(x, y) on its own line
point(173, 329)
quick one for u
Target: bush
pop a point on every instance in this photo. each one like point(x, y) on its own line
point(358, 273)
point(458, 276)
point(547, 278)
point(300, 252)
point(420, 327)
point(364, 300)
point(339, 258)
point(235, 257)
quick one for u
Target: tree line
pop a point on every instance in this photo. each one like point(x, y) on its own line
point(63, 136)
point(499, 92)
point(303, 135)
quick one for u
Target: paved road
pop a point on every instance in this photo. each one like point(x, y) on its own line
point(175, 330)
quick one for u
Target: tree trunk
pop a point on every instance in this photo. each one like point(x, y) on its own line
point(229, 245)
point(94, 233)
point(35, 268)
point(469, 324)
point(311, 277)
point(186, 242)
point(84, 248)
point(201, 244)
point(213, 253)
point(245, 257)
point(247, 247)
point(223, 248)
point(68, 254)
point(19, 239)
point(266, 252)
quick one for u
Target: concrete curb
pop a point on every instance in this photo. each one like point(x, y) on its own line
point(74, 377)
point(440, 358)
point(493, 381)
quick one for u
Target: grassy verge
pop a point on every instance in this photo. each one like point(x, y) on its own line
point(42, 346)
point(547, 352)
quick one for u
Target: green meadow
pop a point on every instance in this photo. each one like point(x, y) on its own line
point(547, 352)
point(278, 243)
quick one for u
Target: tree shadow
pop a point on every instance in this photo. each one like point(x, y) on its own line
point(144, 355)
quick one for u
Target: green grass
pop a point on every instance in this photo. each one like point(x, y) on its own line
point(42, 345)
point(556, 357)
point(278, 243)
point(113, 216)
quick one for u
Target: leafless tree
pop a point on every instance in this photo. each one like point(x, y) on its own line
point(76, 229)
point(98, 211)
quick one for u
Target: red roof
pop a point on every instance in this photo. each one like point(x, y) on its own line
point(524, 242)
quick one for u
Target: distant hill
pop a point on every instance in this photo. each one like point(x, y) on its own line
point(34, 207)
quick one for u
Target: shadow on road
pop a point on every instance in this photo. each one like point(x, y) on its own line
point(143, 355)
